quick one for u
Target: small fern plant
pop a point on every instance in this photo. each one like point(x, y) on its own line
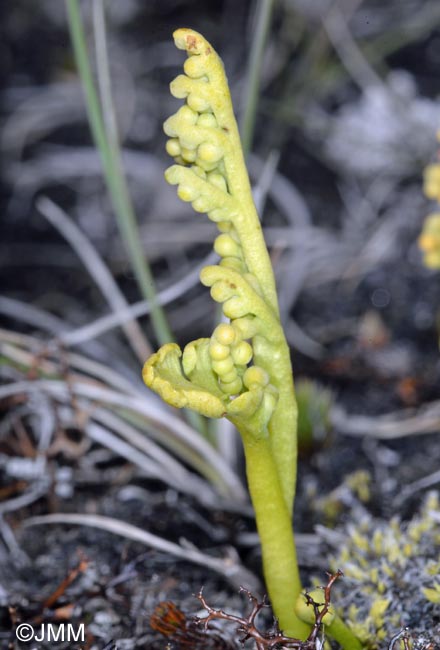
point(243, 371)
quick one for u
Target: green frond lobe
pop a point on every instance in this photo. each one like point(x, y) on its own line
point(204, 196)
point(239, 299)
point(204, 132)
point(190, 380)
point(163, 373)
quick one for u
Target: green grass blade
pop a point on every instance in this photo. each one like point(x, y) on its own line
point(247, 123)
point(114, 175)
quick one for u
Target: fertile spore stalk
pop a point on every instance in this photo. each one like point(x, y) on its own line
point(243, 371)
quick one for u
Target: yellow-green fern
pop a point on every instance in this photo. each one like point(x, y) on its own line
point(243, 371)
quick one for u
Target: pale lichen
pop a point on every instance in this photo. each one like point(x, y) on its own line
point(391, 578)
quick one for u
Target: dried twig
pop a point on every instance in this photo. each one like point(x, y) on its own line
point(321, 609)
point(403, 636)
point(61, 589)
point(246, 626)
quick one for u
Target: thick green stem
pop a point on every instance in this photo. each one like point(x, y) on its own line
point(335, 627)
point(276, 534)
point(283, 423)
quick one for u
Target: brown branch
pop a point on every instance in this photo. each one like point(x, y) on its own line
point(246, 626)
point(321, 609)
point(59, 591)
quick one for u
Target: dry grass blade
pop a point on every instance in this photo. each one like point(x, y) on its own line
point(97, 269)
point(387, 427)
point(142, 308)
point(284, 194)
point(163, 425)
point(114, 173)
point(23, 349)
point(357, 66)
point(153, 461)
point(416, 486)
point(107, 439)
point(169, 466)
point(43, 320)
point(32, 315)
point(131, 442)
point(230, 569)
point(30, 496)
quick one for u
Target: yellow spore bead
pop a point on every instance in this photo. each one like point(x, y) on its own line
point(226, 246)
point(225, 334)
point(231, 388)
point(255, 377)
point(187, 193)
point(233, 263)
point(194, 67)
point(198, 171)
point(221, 291)
point(207, 119)
point(429, 241)
point(198, 103)
point(218, 180)
point(431, 182)
point(201, 204)
point(223, 367)
point(210, 153)
point(228, 377)
point(242, 353)
point(218, 351)
point(179, 87)
point(173, 147)
point(205, 164)
point(234, 307)
point(189, 359)
point(185, 115)
point(246, 327)
point(189, 155)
